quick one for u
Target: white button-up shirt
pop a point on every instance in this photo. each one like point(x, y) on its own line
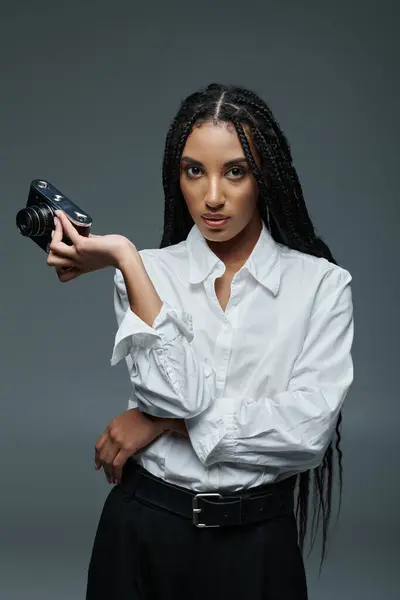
point(261, 384)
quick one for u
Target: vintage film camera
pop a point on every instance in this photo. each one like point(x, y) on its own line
point(36, 220)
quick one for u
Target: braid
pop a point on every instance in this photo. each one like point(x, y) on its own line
point(281, 197)
point(275, 145)
point(168, 160)
point(176, 215)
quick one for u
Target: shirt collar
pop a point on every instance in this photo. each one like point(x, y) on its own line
point(263, 263)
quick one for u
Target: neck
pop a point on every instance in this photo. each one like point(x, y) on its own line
point(234, 252)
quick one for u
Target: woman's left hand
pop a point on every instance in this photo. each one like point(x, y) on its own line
point(86, 253)
point(124, 436)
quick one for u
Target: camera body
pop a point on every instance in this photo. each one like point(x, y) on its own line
point(36, 220)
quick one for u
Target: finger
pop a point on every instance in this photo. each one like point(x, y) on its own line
point(109, 452)
point(97, 461)
point(60, 248)
point(54, 260)
point(69, 274)
point(62, 270)
point(57, 233)
point(119, 462)
point(67, 226)
point(107, 471)
point(117, 471)
point(107, 474)
point(99, 446)
point(107, 455)
point(56, 237)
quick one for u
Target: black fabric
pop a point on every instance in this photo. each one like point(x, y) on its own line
point(149, 552)
point(263, 502)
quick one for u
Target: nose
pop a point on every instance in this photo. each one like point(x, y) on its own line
point(214, 196)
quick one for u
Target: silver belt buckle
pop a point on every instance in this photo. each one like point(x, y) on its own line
point(197, 510)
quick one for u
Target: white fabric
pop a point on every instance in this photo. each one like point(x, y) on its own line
point(261, 384)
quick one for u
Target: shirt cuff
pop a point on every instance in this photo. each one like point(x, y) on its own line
point(134, 332)
point(212, 434)
point(170, 323)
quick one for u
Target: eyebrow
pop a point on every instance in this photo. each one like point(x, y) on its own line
point(229, 163)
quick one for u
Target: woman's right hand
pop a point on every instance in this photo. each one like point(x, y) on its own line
point(86, 254)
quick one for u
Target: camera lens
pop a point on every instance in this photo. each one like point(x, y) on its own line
point(35, 220)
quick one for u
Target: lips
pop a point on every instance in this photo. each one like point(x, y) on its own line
point(216, 217)
point(215, 221)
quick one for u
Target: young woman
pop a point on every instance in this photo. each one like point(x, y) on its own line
point(237, 333)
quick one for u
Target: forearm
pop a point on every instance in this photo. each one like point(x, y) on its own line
point(145, 302)
point(170, 380)
point(143, 298)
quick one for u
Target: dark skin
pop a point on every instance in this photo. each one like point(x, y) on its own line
point(219, 180)
point(215, 178)
point(116, 444)
point(132, 430)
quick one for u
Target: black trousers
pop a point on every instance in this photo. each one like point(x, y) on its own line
point(144, 552)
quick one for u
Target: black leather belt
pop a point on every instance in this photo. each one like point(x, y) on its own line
point(209, 509)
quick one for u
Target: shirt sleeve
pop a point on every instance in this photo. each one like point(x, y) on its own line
point(168, 378)
point(292, 429)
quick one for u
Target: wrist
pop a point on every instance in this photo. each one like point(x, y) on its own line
point(161, 423)
point(126, 256)
point(178, 426)
point(170, 424)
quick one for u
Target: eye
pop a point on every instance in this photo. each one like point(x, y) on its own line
point(193, 172)
point(236, 172)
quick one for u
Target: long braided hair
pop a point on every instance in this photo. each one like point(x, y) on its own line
point(282, 208)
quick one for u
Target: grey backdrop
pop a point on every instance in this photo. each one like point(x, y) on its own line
point(87, 93)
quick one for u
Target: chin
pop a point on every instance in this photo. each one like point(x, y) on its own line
point(224, 234)
point(217, 236)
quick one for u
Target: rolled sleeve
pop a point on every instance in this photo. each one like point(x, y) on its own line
point(169, 379)
point(133, 333)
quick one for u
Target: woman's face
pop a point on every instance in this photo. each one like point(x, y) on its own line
point(216, 180)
